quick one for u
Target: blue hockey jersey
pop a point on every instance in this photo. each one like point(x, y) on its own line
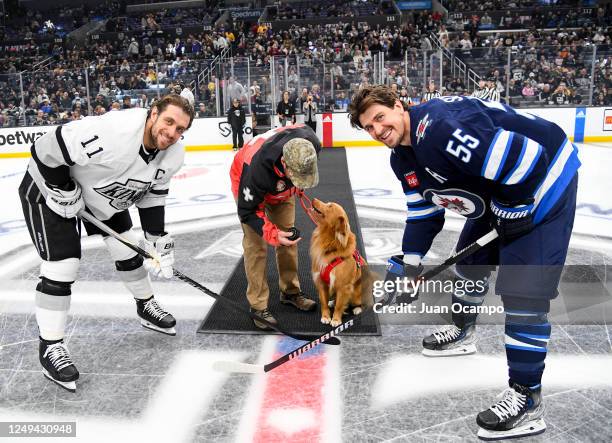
point(466, 151)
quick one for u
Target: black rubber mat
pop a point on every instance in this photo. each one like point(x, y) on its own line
point(334, 185)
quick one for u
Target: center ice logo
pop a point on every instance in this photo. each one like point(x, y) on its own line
point(457, 200)
point(124, 195)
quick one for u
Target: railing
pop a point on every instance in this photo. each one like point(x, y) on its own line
point(457, 66)
point(520, 75)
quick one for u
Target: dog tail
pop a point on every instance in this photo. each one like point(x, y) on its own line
point(368, 277)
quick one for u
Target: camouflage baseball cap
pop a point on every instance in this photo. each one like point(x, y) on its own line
point(301, 159)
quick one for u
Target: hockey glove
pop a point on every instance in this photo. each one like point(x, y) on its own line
point(66, 201)
point(400, 284)
point(512, 219)
point(162, 249)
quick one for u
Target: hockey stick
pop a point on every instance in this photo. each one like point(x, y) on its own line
point(94, 221)
point(247, 368)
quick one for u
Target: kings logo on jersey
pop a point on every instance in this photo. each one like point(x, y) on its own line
point(457, 200)
point(124, 195)
point(422, 127)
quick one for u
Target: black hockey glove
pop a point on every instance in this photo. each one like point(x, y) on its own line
point(400, 281)
point(512, 219)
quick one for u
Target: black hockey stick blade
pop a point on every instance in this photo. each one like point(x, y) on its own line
point(93, 220)
point(250, 368)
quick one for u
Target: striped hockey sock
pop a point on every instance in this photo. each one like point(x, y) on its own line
point(527, 336)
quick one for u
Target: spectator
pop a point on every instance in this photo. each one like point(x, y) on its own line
point(299, 104)
point(310, 113)
point(202, 111)
point(544, 94)
point(285, 110)
point(562, 95)
point(133, 49)
point(236, 118)
point(528, 90)
point(341, 103)
point(235, 90)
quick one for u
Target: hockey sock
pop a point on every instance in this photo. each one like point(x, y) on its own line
point(52, 305)
point(527, 335)
point(135, 277)
point(468, 293)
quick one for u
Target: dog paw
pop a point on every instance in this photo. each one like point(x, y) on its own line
point(357, 310)
point(335, 323)
point(325, 320)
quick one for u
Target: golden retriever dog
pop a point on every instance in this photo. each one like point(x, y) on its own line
point(338, 270)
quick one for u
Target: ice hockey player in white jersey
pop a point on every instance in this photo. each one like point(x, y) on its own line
point(102, 165)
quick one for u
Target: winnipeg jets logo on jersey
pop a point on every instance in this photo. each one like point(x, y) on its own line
point(246, 192)
point(457, 200)
point(421, 128)
point(124, 195)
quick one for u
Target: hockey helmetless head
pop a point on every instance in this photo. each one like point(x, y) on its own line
point(168, 119)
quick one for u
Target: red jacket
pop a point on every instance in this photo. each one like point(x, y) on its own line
point(258, 177)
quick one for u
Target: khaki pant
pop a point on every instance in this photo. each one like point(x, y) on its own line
point(256, 253)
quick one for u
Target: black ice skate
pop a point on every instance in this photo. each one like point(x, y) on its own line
point(518, 414)
point(154, 317)
point(57, 364)
point(450, 341)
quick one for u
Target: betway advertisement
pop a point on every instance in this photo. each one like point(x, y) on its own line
point(18, 140)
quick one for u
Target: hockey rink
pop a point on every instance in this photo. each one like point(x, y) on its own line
point(139, 385)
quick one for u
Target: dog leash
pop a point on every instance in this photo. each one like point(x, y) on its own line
point(306, 204)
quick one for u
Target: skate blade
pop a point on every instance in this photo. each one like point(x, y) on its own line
point(462, 350)
point(151, 326)
point(67, 385)
point(533, 427)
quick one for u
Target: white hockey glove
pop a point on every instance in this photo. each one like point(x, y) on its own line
point(65, 202)
point(162, 249)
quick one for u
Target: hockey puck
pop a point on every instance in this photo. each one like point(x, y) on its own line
point(295, 234)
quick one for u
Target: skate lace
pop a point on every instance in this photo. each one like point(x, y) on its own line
point(58, 355)
point(447, 333)
point(511, 404)
point(154, 309)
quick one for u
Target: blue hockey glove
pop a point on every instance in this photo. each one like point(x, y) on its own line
point(512, 219)
point(399, 285)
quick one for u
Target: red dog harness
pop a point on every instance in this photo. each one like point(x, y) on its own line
point(326, 270)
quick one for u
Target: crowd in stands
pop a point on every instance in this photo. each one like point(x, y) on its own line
point(554, 67)
point(320, 9)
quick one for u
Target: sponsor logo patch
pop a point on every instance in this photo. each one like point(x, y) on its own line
point(411, 179)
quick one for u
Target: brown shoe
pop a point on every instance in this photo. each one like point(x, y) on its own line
point(266, 315)
point(298, 300)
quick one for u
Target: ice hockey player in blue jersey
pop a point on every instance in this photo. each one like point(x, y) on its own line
point(497, 167)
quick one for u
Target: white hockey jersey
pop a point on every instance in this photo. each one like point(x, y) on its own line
point(106, 157)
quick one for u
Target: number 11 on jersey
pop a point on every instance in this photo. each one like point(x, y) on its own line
point(91, 154)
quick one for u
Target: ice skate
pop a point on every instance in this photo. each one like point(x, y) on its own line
point(57, 364)
point(450, 341)
point(154, 317)
point(518, 414)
